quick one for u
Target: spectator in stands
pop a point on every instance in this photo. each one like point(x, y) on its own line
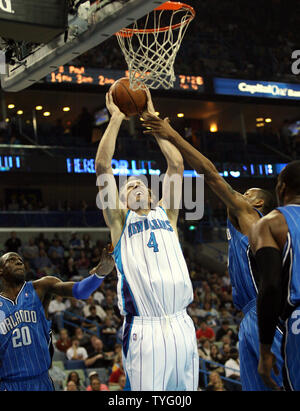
point(122, 382)
point(225, 315)
point(205, 332)
point(13, 244)
point(204, 350)
point(42, 239)
point(82, 263)
point(208, 310)
point(98, 295)
point(75, 242)
point(70, 270)
point(111, 308)
point(74, 376)
point(211, 321)
point(57, 261)
point(56, 247)
point(226, 280)
point(95, 258)
point(76, 352)
point(30, 250)
point(194, 310)
point(215, 382)
point(232, 370)
point(64, 342)
point(216, 357)
point(99, 310)
point(108, 333)
point(71, 386)
point(225, 352)
point(31, 275)
point(117, 370)
point(72, 314)
point(86, 243)
point(95, 383)
point(42, 262)
point(99, 358)
point(56, 312)
point(96, 321)
point(225, 330)
point(84, 339)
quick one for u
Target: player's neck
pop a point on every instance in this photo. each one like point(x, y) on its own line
point(11, 291)
point(295, 199)
point(143, 211)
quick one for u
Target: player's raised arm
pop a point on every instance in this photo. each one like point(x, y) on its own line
point(236, 203)
point(48, 286)
point(172, 184)
point(108, 192)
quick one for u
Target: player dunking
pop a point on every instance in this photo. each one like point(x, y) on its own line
point(275, 240)
point(25, 331)
point(243, 211)
point(154, 287)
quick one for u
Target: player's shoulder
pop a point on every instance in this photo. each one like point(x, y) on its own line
point(273, 222)
point(274, 217)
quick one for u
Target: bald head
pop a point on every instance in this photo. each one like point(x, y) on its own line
point(12, 269)
point(261, 199)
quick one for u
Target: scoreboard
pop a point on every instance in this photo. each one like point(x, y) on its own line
point(80, 75)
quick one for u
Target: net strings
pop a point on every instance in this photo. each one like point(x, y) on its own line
point(151, 56)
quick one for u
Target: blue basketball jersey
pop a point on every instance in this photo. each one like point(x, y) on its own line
point(25, 336)
point(243, 284)
point(291, 254)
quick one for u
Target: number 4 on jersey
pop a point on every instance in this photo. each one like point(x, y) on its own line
point(153, 243)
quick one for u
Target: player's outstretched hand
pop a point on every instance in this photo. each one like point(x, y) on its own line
point(106, 264)
point(267, 363)
point(112, 107)
point(156, 125)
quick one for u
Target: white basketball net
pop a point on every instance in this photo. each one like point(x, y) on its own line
point(150, 51)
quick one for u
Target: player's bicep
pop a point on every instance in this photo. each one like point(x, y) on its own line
point(108, 197)
point(53, 286)
point(260, 235)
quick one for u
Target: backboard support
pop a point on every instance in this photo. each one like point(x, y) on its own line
point(87, 29)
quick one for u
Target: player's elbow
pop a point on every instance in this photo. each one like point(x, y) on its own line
point(102, 166)
point(177, 167)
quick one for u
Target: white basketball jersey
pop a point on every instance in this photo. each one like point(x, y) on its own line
point(153, 279)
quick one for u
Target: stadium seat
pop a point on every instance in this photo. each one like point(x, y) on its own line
point(74, 364)
point(59, 364)
point(114, 387)
point(59, 356)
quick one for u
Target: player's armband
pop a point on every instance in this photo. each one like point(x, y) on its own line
point(83, 289)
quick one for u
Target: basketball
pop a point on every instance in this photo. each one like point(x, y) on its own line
point(130, 102)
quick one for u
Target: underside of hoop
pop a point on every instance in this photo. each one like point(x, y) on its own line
point(172, 5)
point(169, 5)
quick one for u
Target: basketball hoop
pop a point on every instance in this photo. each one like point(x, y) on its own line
point(150, 46)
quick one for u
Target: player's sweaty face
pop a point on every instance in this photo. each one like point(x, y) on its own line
point(251, 195)
point(14, 266)
point(137, 192)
